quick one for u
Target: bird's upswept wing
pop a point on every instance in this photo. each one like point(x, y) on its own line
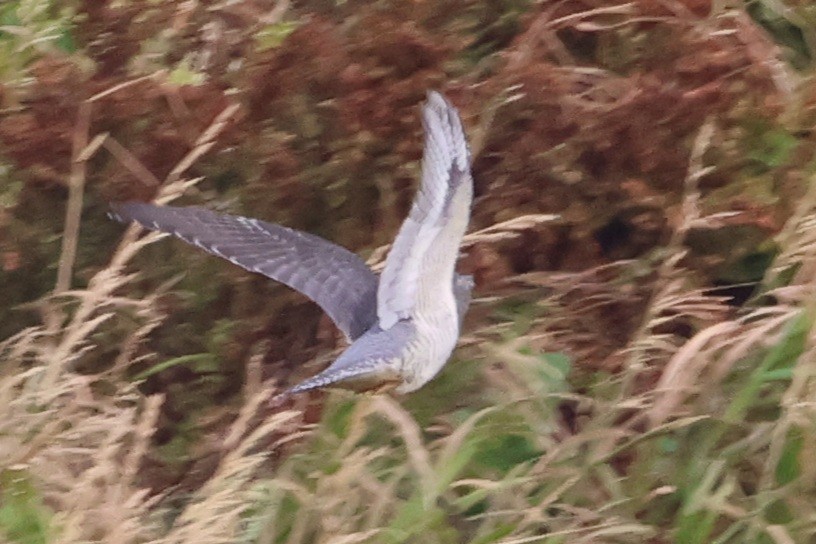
point(330, 275)
point(427, 246)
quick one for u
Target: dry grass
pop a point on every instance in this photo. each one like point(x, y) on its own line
point(73, 444)
point(696, 427)
point(660, 463)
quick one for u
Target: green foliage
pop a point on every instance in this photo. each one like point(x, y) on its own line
point(776, 365)
point(271, 36)
point(791, 25)
point(198, 362)
point(24, 517)
point(494, 25)
point(768, 146)
point(707, 468)
point(29, 28)
point(788, 468)
point(183, 74)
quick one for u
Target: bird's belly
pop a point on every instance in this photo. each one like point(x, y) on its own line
point(436, 337)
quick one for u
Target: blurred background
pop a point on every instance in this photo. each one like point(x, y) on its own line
point(636, 365)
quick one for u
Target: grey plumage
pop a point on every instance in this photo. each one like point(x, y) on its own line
point(372, 361)
point(330, 275)
point(445, 169)
point(403, 325)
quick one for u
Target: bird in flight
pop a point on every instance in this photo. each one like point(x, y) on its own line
point(403, 324)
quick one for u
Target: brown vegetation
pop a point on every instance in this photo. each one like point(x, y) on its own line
point(637, 366)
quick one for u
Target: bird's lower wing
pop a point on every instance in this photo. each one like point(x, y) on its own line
point(372, 362)
point(333, 277)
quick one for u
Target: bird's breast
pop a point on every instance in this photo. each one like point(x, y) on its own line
point(436, 335)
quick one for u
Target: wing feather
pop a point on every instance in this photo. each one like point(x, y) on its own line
point(330, 275)
point(433, 223)
point(372, 361)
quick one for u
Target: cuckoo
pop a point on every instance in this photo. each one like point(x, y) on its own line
point(402, 324)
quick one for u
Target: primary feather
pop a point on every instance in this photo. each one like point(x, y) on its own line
point(332, 276)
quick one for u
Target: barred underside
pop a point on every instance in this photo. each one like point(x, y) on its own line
point(330, 275)
point(375, 358)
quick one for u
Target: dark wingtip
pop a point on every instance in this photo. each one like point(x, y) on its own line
point(118, 211)
point(114, 214)
point(125, 212)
